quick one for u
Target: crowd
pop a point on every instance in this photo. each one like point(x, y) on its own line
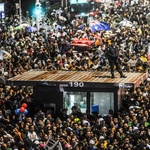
point(51, 50)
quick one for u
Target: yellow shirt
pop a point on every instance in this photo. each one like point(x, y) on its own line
point(109, 42)
point(139, 31)
point(143, 58)
point(97, 42)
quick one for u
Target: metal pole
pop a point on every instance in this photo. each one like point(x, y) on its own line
point(62, 3)
point(20, 11)
point(37, 18)
point(66, 3)
point(1, 17)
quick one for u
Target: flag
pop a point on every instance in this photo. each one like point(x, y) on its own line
point(99, 25)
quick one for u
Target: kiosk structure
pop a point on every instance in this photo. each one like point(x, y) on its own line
point(59, 89)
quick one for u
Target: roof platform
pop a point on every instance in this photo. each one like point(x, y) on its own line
point(88, 79)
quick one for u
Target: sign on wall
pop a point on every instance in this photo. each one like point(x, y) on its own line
point(1, 7)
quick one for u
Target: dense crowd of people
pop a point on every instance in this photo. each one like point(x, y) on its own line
point(50, 49)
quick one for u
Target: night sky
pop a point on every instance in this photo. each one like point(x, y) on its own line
point(26, 5)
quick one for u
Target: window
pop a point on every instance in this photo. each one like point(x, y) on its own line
point(75, 99)
point(105, 101)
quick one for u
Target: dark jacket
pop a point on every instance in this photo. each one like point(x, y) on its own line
point(113, 52)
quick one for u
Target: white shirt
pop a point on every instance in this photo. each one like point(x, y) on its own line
point(32, 135)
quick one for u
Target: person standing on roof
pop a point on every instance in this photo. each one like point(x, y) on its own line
point(112, 53)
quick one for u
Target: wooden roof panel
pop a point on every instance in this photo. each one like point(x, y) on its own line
point(79, 76)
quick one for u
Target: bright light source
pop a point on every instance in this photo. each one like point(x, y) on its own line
point(82, 14)
point(38, 11)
